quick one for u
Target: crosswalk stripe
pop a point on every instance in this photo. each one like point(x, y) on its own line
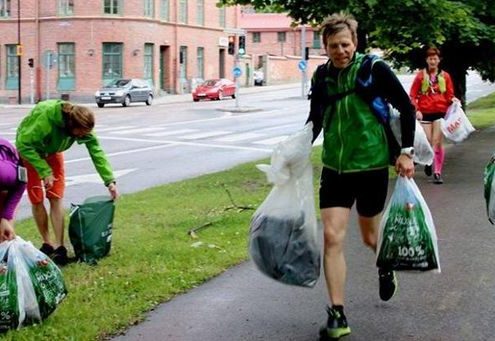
point(136, 131)
point(238, 137)
point(111, 129)
point(271, 141)
point(175, 132)
point(205, 134)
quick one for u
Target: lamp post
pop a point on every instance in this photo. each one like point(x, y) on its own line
point(19, 52)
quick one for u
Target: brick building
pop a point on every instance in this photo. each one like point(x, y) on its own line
point(273, 34)
point(87, 43)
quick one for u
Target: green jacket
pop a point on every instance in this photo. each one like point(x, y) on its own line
point(42, 132)
point(353, 139)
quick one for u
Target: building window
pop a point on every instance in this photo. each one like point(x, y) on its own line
point(183, 11)
point(12, 77)
point(66, 66)
point(316, 40)
point(149, 11)
point(201, 62)
point(281, 37)
point(164, 10)
point(256, 37)
point(200, 12)
point(65, 7)
point(183, 62)
point(112, 7)
point(112, 61)
point(221, 17)
point(4, 8)
point(148, 63)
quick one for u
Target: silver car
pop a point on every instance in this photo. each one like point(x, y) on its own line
point(125, 91)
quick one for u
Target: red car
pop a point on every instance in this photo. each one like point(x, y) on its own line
point(215, 89)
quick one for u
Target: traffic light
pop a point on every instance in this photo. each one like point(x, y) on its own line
point(31, 62)
point(242, 45)
point(306, 53)
point(231, 48)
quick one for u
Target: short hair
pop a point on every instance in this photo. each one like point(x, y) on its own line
point(433, 51)
point(78, 117)
point(338, 22)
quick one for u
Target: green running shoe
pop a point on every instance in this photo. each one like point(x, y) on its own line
point(336, 325)
point(388, 284)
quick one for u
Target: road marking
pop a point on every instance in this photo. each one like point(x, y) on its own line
point(175, 132)
point(272, 141)
point(112, 129)
point(239, 137)
point(94, 177)
point(136, 130)
point(178, 143)
point(205, 134)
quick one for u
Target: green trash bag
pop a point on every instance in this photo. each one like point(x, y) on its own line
point(489, 185)
point(407, 239)
point(9, 304)
point(90, 228)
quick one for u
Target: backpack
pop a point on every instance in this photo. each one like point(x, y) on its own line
point(366, 90)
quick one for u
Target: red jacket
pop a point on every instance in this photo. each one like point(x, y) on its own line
point(433, 101)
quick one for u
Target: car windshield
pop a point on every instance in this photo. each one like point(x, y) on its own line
point(211, 82)
point(118, 83)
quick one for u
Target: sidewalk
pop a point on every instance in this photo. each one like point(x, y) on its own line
point(458, 304)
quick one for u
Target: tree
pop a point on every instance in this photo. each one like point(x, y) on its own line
point(464, 30)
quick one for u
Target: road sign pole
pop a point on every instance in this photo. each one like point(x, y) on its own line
point(303, 73)
point(237, 82)
point(31, 85)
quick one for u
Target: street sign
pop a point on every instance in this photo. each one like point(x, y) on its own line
point(237, 72)
point(302, 65)
point(49, 59)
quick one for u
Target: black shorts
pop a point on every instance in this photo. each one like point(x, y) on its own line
point(432, 117)
point(368, 189)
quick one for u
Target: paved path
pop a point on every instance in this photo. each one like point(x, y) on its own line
point(457, 304)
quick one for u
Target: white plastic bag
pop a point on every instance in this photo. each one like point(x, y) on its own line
point(283, 234)
point(407, 238)
point(423, 153)
point(456, 126)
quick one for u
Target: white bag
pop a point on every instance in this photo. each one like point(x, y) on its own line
point(283, 234)
point(456, 126)
point(423, 153)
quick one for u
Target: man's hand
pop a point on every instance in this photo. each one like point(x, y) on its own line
point(48, 181)
point(6, 230)
point(112, 188)
point(404, 166)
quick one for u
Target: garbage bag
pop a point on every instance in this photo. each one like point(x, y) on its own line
point(407, 238)
point(489, 185)
point(423, 153)
point(283, 232)
point(90, 228)
point(9, 304)
point(456, 126)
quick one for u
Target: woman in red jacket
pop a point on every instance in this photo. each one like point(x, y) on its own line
point(432, 92)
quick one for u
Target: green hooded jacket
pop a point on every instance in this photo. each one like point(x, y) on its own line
point(354, 140)
point(42, 132)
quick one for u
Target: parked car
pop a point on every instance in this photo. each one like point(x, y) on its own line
point(259, 77)
point(214, 89)
point(125, 91)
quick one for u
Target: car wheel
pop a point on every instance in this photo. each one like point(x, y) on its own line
point(233, 96)
point(149, 100)
point(195, 99)
point(127, 101)
point(100, 105)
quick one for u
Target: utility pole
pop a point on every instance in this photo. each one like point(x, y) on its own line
point(19, 52)
point(303, 49)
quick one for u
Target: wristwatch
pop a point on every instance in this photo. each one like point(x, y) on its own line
point(409, 151)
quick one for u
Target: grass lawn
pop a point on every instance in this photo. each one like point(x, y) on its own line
point(153, 258)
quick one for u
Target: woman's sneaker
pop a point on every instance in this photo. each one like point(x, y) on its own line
point(388, 284)
point(336, 325)
point(437, 179)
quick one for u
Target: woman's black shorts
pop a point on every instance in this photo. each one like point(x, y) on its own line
point(432, 117)
point(368, 189)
